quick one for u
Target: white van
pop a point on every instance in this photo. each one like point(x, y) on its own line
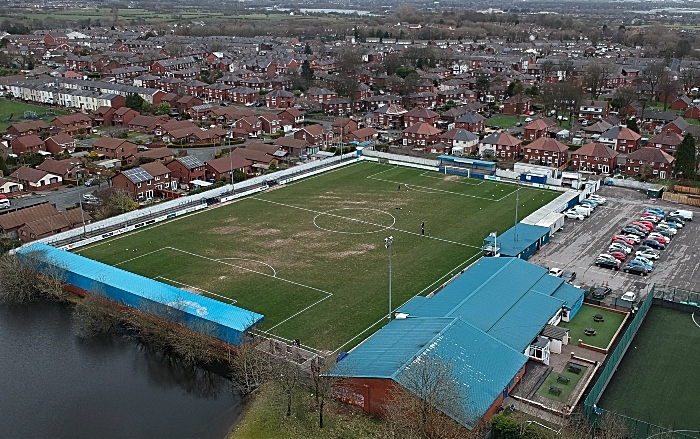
point(4, 202)
point(687, 215)
point(583, 210)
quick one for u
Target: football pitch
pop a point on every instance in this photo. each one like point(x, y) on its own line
point(656, 381)
point(310, 256)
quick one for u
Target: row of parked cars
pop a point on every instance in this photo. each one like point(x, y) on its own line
point(585, 207)
point(652, 232)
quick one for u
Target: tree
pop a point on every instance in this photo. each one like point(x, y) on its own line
point(546, 68)
point(632, 124)
point(623, 97)
point(163, 108)
point(134, 101)
point(645, 171)
point(307, 50)
point(307, 73)
point(349, 58)
point(515, 88)
point(683, 48)
point(391, 63)
point(596, 76)
point(428, 400)
point(686, 158)
point(567, 67)
point(483, 84)
point(690, 76)
point(652, 75)
point(668, 87)
point(3, 167)
point(323, 385)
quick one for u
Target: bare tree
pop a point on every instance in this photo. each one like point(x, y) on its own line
point(652, 75)
point(349, 59)
point(430, 401)
point(546, 68)
point(31, 276)
point(251, 366)
point(287, 374)
point(94, 315)
point(324, 384)
point(690, 77)
point(624, 97)
point(17, 283)
point(669, 88)
point(596, 76)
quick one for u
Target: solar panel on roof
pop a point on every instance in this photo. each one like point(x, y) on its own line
point(190, 161)
point(137, 175)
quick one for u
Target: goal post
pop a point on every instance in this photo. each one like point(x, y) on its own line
point(457, 170)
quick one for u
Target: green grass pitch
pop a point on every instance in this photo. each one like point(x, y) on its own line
point(657, 379)
point(310, 255)
point(17, 109)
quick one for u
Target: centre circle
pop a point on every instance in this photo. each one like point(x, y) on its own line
point(354, 220)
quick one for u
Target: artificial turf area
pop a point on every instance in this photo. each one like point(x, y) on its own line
point(657, 379)
point(566, 388)
point(310, 256)
point(583, 319)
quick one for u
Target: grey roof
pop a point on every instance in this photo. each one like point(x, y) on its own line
point(190, 162)
point(554, 332)
point(137, 175)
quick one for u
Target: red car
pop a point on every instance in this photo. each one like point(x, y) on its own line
point(648, 223)
point(642, 225)
point(623, 238)
point(661, 239)
point(651, 218)
point(619, 256)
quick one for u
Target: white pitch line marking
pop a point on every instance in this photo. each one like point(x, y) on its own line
point(232, 301)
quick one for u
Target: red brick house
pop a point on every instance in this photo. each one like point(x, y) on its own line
point(503, 146)
point(186, 169)
point(73, 124)
point(518, 104)
point(470, 121)
point(594, 157)
point(113, 148)
point(270, 123)
point(321, 95)
point(123, 116)
point(344, 125)
point(37, 127)
point(692, 112)
point(678, 126)
point(661, 162)
point(243, 95)
point(420, 115)
point(546, 151)
point(537, 128)
point(102, 117)
point(36, 179)
point(45, 226)
point(224, 167)
point(590, 110)
point(681, 103)
point(420, 135)
point(249, 124)
point(460, 140)
point(388, 116)
point(315, 135)
point(293, 116)
point(621, 139)
point(30, 143)
point(279, 99)
point(336, 107)
point(666, 141)
point(361, 135)
point(60, 143)
point(145, 181)
point(146, 124)
point(66, 168)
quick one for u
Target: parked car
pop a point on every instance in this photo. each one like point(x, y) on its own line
point(640, 228)
point(572, 214)
point(647, 223)
point(647, 254)
point(607, 256)
point(634, 238)
point(629, 296)
point(624, 239)
point(651, 218)
point(655, 210)
point(663, 232)
point(671, 224)
point(687, 215)
point(654, 244)
point(600, 292)
point(620, 256)
point(585, 210)
point(90, 181)
point(568, 276)
point(618, 246)
point(638, 269)
point(606, 263)
point(589, 202)
point(633, 231)
point(643, 259)
point(647, 227)
point(675, 219)
point(556, 272)
point(662, 229)
point(646, 248)
point(648, 268)
point(598, 199)
point(659, 237)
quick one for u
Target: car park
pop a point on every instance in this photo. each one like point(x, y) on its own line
point(647, 227)
point(620, 256)
point(589, 202)
point(654, 244)
point(636, 269)
point(629, 296)
point(568, 276)
point(634, 238)
point(598, 199)
point(647, 267)
point(572, 214)
point(662, 229)
point(606, 263)
point(665, 240)
point(647, 254)
point(600, 292)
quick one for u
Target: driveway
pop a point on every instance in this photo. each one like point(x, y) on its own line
point(60, 198)
point(576, 246)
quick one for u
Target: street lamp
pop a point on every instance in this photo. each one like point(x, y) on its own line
point(80, 200)
point(387, 244)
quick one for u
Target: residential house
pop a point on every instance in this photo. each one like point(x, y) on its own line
point(250, 124)
point(681, 103)
point(272, 150)
point(501, 145)
point(292, 115)
point(35, 179)
point(12, 221)
point(270, 123)
point(36, 127)
point(224, 167)
point(537, 128)
point(336, 106)
point(461, 141)
point(454, 113)
point(518, 104)
point(123, 116)
point(660, 163)
point(279, 99)
point(102, 117)
point(68, 168)
point(420, 135)
point(296, 147)
point(186, 169)
point(244, 95)
point(315, 135)
point(590, 110)
point(30, 143)
point(113, 148)
point(260, 160)
point(667, 141)
point(43, 227)
point(145, 181)
point(420, 115)
point(9, 186)
point(546, 151)
point(621, 139)
point(367, 134)
point(389, 116)
point(60, 143)
point(163, 155)
point(473, 122)
point(344, 125)
point(321, 95)
point(73, 124)
point(146, 124)
point(594, 157)
point(692, 112)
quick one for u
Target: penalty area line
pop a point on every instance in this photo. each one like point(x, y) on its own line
point(209, 293)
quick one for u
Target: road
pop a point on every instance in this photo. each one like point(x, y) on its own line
point(576, 246)
point(60, 198)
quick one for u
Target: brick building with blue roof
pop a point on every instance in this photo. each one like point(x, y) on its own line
point(484, 323)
